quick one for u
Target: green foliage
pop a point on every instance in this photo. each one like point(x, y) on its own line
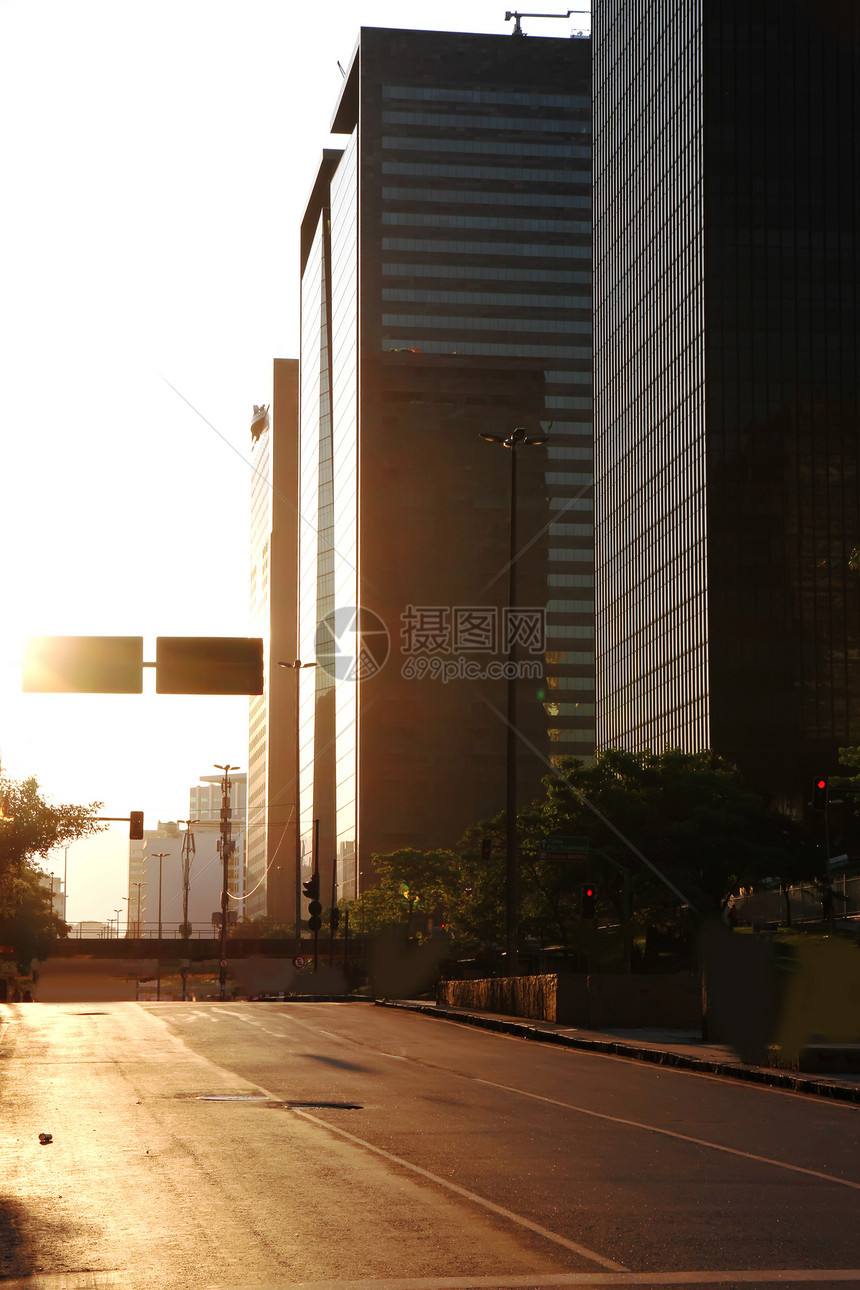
point(30, 828)
point(689, 814)
point(415, 892)
point(849, 760)
point(31, 926)
point(261, 928)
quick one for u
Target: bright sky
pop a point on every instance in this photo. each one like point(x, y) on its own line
point(155, 161)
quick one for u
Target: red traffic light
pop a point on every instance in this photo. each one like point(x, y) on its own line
point(819, 795)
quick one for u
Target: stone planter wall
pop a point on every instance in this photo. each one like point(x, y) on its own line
point(589, 1002)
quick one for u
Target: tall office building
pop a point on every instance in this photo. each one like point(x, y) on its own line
point(726, 377)
point(272, 792)
point(446, 291)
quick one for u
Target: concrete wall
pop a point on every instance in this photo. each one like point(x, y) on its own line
point(586, 1001)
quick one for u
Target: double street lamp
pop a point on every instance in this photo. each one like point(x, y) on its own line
point(159, 856)
point(518, 438)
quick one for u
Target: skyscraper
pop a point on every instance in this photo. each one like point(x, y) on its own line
point(446, 291)
point(726, 379)
point(272, 785)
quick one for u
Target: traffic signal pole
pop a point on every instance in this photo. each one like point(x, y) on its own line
point(226, 848)
point(820, 802)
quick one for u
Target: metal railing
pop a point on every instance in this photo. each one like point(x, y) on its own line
point(143, 931)
point(806, 900)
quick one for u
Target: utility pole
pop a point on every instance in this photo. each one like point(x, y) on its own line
point(226, 848)
point(187, 854)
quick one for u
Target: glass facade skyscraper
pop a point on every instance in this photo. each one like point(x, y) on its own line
point(272, 829)
point(446, 291)
point(726, 377)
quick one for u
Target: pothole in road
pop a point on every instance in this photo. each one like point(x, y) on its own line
point(223, 1096)
point(319, 1106)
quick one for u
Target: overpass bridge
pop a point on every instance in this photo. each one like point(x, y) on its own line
point(91, 970)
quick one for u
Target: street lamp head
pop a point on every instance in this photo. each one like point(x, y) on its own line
point(515, 438)
point(296, 664)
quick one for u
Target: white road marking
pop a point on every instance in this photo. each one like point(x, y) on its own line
point(585, 1279)
point(787, 1276)
point(468, 1195)
point(669, 1133)
point(600, 1115)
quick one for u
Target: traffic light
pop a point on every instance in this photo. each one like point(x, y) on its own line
point(486, 848)
point(587, 901)
point(819, 795)
point(311, 889)
point(334, 918)
point(135, 826)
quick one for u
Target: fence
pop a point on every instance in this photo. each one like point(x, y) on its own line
point(806, 902)
point(144, 931)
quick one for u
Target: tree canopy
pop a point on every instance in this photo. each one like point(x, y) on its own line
point(695, 829)
point(30, 828)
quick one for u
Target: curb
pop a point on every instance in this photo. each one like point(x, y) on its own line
point(656, 1056)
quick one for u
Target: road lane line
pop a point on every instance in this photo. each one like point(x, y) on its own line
point(668, 1133)
point(634, 1124)
point(468, 1195)
point(96, 1280)
point(584, 1279)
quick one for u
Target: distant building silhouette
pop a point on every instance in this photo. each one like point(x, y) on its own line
point(446, 291)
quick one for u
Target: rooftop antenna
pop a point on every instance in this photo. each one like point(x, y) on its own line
point(518, 30)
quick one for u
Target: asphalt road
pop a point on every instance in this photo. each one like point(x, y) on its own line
point(346, 1145)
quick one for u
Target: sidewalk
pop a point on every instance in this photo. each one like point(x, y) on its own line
point(684, 1049)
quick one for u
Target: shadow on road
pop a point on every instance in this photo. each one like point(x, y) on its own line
point(16, 1247)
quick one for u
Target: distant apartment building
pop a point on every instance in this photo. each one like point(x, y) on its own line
point(54, 889)
point(272, 792)
point(158, 885)
point(446, 292)
point(727, 380)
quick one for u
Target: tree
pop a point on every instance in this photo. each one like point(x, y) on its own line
point(690, 814)
point(31, 927)
point(414, 889)
point(30, 828)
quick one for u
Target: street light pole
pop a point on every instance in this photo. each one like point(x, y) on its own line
point(515, 439)
point(297, 665)
point(226, 847)
point(159, 856)
point(139, 885)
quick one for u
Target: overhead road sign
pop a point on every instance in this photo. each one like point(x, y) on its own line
point(209, 665)
point(83, 665)
point(114, 665)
